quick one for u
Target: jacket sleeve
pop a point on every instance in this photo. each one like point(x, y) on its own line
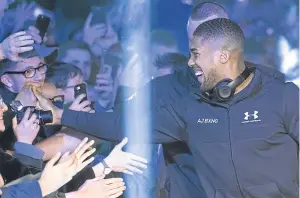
point(30, 189)
point(29, 155)
point(291, 110)
point(167, 124)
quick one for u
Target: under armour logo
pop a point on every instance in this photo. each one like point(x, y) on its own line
point(247, 115)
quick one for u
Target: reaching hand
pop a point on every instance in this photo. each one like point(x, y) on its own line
point(55, 176)
point(35, 33)
point(84, 106)
point(26, 96)
point(15, 44)
point(24, 11)
point(120, 161)
point(27, 130)
point(104, 81)
point(46, 104)
point(90, 33)
point(81, 153)
point(102, 188)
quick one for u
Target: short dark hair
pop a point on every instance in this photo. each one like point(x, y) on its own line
point(9, 65)
point(163, 37)
point(221, 29)
point(174, 60)
point(60, 73)
point(206, 9)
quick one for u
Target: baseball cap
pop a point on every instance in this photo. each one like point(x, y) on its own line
point(48, 53)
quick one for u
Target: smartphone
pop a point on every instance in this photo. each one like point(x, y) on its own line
point(42, 24)
point(80, 89)
point(99, 15)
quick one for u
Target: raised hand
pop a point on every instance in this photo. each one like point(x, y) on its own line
point(55, 176)
point(24, 12)
point(15, 44)
point(84, 106)
point(91, 32)
point(80, 154)
point(102, 188)
point(35, 33)
point(27, 130)
point(104, 81)
point(26, 96)
point(120, 161)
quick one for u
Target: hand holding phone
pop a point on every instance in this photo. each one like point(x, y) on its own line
point(42, 24)
point(80, 89)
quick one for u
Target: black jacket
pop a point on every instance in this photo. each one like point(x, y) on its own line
point(255, 155)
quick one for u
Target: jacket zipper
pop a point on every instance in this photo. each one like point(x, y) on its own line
point(230, 142)
point(231, 152)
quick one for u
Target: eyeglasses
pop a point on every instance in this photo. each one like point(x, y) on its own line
point(30, 73)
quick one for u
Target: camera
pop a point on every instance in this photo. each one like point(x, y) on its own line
point(44, 117)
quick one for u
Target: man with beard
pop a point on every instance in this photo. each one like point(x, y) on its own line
point(166, 90)
point(235, 138)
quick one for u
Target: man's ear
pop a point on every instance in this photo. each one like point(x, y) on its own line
point(224, 56)
point(221, 57)
point(6, 80)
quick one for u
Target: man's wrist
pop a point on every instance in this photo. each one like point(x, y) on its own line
point(58, 115)
point(75, 194)
point(43, 187)
point(98, 170)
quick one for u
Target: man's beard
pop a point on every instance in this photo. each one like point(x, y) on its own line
point(209, 82)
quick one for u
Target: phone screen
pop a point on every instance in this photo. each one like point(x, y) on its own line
point(80, 89)
point(99, 16)
point(42, 24)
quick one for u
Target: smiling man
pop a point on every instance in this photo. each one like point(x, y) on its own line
point(15, 74)
point(252, 151)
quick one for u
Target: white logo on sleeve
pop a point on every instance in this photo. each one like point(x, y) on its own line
point(251, 117)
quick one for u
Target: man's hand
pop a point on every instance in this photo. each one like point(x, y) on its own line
point(84, 106)
point(104, 81)
point(26, 96)
point(48, 90)
point(102, 188)
point(27, 130)
point(15, 44)
point(47, 105)
point(24, 12)
point(55, 176)
point(120, 161)
point(35, 33)
point(90, 33)
point(81, 153)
